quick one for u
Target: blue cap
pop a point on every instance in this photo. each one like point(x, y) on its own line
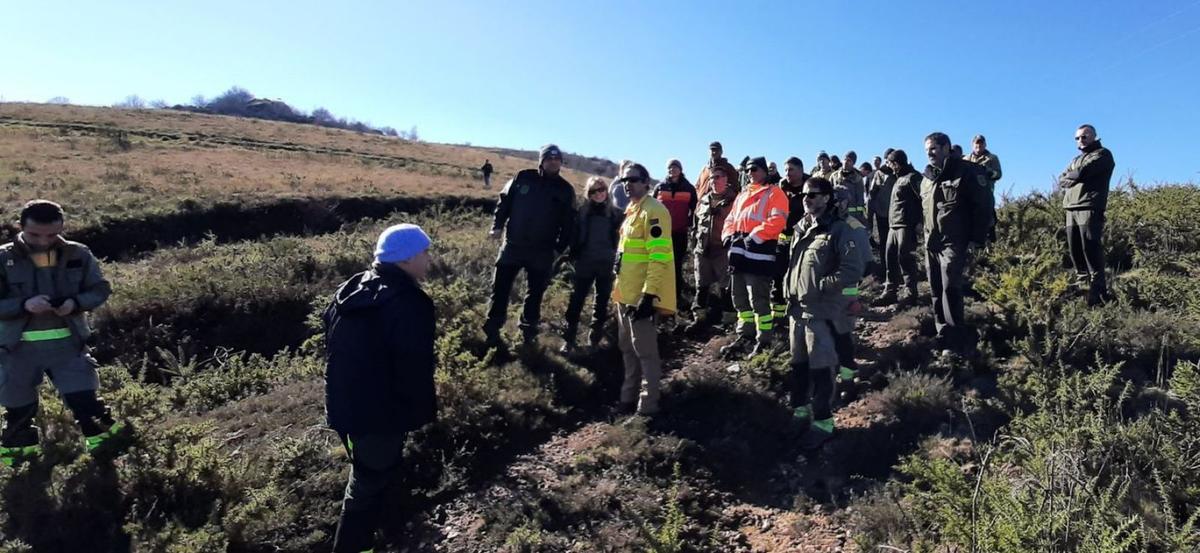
point(400, 243)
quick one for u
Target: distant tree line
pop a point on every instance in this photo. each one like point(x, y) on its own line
point(239, 102)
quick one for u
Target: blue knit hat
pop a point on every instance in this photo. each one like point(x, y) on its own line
point(400, 242)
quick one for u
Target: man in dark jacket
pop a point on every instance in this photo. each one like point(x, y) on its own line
point(678, 195)
point(535, 214)
point(712, 256)
point(879, 193)
point(958, 215)
point(593, 250)
point(379, 340)
point(47, 285)
point(1085, 182)
point(793, 187)
point(486, 170)
point(904, 216)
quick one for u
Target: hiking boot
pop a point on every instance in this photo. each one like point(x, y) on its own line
point(846, 374)
point(761, 348)
point(888, 297)
point(741, 344)
point(625, 408)
point(802, 415)
point(696, 328)
point(20, 447)
point(818, 433)
point(594, 339)
point(111, 442)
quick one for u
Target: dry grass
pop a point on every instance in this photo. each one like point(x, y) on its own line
point(169, 160)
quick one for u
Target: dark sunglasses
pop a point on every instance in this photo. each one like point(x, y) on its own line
point(597, 191)
point(633, 179)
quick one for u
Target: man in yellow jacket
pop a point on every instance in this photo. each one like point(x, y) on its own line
point(645, 287)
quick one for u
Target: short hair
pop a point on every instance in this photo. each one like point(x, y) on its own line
point(641, 170)
point(888, 151)
point(823, 185)
point(939, 138)
point(851, 154)
point(42, 211)
point(866, 165)
point(898, 156)
point(717, 169)
point(1088, 127)
point(979, 138)
point(794, 161)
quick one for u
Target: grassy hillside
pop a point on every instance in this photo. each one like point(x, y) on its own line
point(116, 164)
point(1075, 432)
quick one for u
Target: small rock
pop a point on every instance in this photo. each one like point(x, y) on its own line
point(734, 368)
point(766, 525)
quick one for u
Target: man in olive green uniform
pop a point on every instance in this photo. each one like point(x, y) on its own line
point(879, 194)
point(983, 157)
point(824, 261)
point(958, 216)
point(849, 178)
point(47, 284)
point(823, 168)
point(904, 216)
point(1085, 183)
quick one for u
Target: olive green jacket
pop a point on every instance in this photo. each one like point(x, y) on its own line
point(77, 277)
point(824, 264)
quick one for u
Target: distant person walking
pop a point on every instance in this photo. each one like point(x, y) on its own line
point(958, 215)
point(593, 251)
point(1086, 183)
point(904, 216)
point(716, 158)
point(487, 173)
point(679, 196)
point(47, 286)
point(535, 215)
point(379, 340)
point(645, 288)
point(752, 234)
point(712, 255)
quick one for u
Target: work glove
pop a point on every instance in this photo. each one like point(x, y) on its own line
point(645, 308)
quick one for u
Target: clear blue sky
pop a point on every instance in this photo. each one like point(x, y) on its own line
point(653, 80)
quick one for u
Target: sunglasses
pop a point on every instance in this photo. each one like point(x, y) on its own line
point(633, 179)
point(597, 191)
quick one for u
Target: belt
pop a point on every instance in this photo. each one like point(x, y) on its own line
point(857, 209)
point(45, 335)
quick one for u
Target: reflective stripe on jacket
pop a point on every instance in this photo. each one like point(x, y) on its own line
point(759, 215)
point(825, 267)
point(647, 258)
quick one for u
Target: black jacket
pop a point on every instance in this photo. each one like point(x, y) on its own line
point(581, 241)
point(537, 213)
point(957, 204)
point(1087, 179)
point(904, 208)
point(379, 334)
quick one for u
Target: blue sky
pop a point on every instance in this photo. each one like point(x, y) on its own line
point(653, 80)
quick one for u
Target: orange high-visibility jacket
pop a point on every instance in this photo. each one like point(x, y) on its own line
point(759, 214)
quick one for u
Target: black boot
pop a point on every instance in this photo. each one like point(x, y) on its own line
point(19, 438)
point(355, 532)
point(100, 430)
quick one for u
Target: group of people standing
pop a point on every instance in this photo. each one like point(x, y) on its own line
point(772, 250)
point(780, 256)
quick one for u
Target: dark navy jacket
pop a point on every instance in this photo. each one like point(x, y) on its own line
point(379, 333)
